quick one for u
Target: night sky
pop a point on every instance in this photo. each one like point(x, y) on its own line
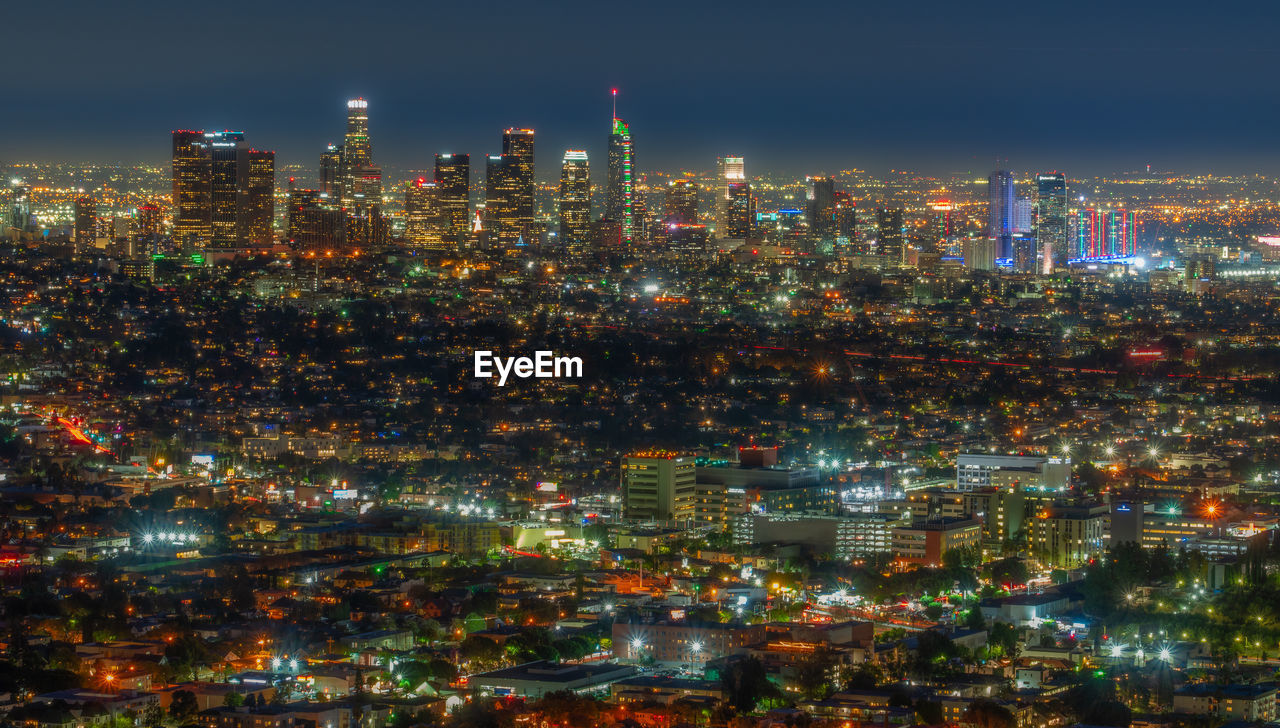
point(1087, 87)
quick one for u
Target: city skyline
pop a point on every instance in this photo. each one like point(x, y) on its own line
point(832, 88)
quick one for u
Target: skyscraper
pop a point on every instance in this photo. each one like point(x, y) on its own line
point(425, 224)
point(453, 192)
point(729, 170)
point(86, 221)
point(361, 178)
point(313, 224)
point(620, 192)
point(822, 209)
point(191, 204)
point(257, 190)
point(1000, 212)
point(1051, 218)
point(226, 150)
point(889, 236)
point(517, 153)
point(331, 173)
point(740, 213)
point(681, 202)
point(575, 199)
point(508, 204)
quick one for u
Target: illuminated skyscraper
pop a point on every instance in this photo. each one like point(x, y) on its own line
point(257, 189)
point(575, 199)
point(226, 150)
point(1000, 212)
point(846, 213)
point(314, 225)
point(517, 152)
point(889, 235)
point(822, 209)
point(331, 173)
point(453, 191)
point(741, 211)
point(361, 178)
point(1051, 218)
point(86, 222)
point(682, 202)
point(192, 214)
point(729, 170)
point(425, 223)
point(508, 204)
point(620, 192)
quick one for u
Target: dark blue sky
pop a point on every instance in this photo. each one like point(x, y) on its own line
point(799, 86)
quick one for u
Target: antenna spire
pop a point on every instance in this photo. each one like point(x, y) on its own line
point(615, 103)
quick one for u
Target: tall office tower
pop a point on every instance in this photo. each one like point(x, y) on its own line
point(1051, 218)
point(729, 170)
point(659, 486)
point(822, 209)
point(225, 154)
point(620, 191)
point(740, 216)
point(331, 172)
point(257, 203)
point(453, 191)
point(425, 223)
point(192, 214)
point(846, 214)
point(575, 199)
point(86, 221)
point(517, 153)
point(1000, 212)
point(361, 178)
point(314, 223)
point(1024, 253)
point(499, 215)
point(944, 228)
point(681, 202)
point(889, 235)
point(148, 220)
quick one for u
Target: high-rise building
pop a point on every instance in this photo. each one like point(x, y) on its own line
point(620, 191)
point(331, 173)
point(453, 192)
point(741, 212)
point(729, 170)
point(1051, 218)
point(226, 154)
point(361, 178)
point(659, 486)
point(257, 203)
point(890, 241)
point(192, 214)
point(846, 213)
point(508, 205)
point(314, 223)
point(681, 202)
point(425, 223)
point(822, 209)
point(575, 199)
point(1104, 233)
point(517, 152)
point(86, 221)
point(1000, 211)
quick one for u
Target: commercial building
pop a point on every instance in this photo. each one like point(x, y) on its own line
point(925, 541)
point(977, 471)
point(842, 537)
point(620, 194)
point(1067, 536)
point(453, 192)
point(659, 485)
point(678, 642)
point(535, 679)
point(575, 200)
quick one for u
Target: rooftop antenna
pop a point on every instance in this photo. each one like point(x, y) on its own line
point(615, 103)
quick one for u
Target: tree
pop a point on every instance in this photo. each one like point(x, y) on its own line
point(1004, 637)
point(233, 700)
point(813, 675)
point(984, 713)
point(185, 706)
point(745, 684)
